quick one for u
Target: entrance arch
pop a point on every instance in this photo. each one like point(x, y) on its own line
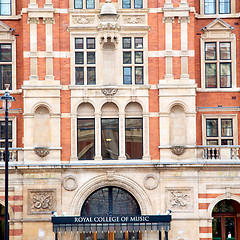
point(226, 220)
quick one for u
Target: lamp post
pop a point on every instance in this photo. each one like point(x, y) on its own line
point(6, 101)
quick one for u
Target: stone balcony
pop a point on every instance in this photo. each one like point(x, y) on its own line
point(15, 154)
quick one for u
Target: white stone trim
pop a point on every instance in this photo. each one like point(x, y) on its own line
point(44, 54)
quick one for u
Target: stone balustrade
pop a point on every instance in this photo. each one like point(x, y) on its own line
point(15, 154)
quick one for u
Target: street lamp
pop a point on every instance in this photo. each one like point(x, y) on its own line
point(6, 99)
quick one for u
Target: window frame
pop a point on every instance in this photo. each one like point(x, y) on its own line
point(219, 137)
point(14, 130)
point(84, 4)
point(132, 4)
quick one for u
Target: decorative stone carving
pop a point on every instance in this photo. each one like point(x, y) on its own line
point(49, 20)
point(133, 19)
point(108, 26)
point(168, 19)
point(109, 91)
point(83, 19)
point(150, 182)
point(41, 151)
point(32, 20)
point(110, 175)
point(178, 150)
point(70, 183)
point(184, 19)
point(41, 201)
point(180, 199)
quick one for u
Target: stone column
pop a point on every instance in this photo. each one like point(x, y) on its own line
point(48, 4)
point(98, 155)
point(146, 136)
point(168, 46)
point(49, 48)
point(122, 147)
point(33, 21)
point(74, 137)
point(32, 4)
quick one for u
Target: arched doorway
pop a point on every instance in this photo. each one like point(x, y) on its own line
point(111, 201)
point(226, 223)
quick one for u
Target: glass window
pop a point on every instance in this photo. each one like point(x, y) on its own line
point(127, 43)
point(134, 138)
point(211, 78)
point(90, 43)
point(212, 127)
point(2, 134)
point(210, 51)
point(126, 3)
point(79, 57)
point(91, 76)
point(86, 139)
point(78, 4)
point(127, 75)
point(5, 7)
point(225, 50)
point(224, 6)
point(79, 43)
point(127, 56)
point(138, 3)
point(210, 6)
point(110, 136)
point(79, 76)
point(138, 75)
point(88, 4)
point(226, 128)
point(225, 75)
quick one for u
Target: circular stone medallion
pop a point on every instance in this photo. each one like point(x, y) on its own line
point(150, 182)
point(70, 183)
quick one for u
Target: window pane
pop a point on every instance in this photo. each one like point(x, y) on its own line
point(134, 236)
point(90, 4)
point(138, 57)
point(127, 43)
point(138, 43)
point(138, 3)
point(91, 57)
point(87, 236)
point(110, 132)
point(2, 126)
point(79, 58)
point(212, 142)
point(6, 52)
point(225, 75)
point(226, 142)
point(6, 75)
point(90, 43)
point(91, 76)
point(134, 136)
point(127, 75)
point(211, 77)
point(210, 51)
point(230, 228)
point(127, 58)
point(119, 235)
point(226, 128)
point(79, 76)
point(86, 138)
point(138, 75)
point(216, 228)
point(224, 6)
point(79, 43)
point(210, 6)
point(212, 127)
point(225, 51)
point(126, 3)
point(78, 4)
point(5, 7)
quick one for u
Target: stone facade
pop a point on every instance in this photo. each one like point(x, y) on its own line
point(179, 169)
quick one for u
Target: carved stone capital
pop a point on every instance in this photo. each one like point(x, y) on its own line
point(108, 26)
point(48, 20)
point(83, 19)
point(168, 19)
point(184, 19)
point(178, 150)
point(33, 20)
point(109, 92)
point(41, 151)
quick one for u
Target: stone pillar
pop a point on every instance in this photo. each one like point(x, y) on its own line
point(146, 154)
point(122, 147)
point(48, 4)
point(98, 155)
point(33, 21)
point(49, 48)
point(74, 138)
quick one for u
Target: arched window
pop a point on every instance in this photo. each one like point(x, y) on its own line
point(225, 223)
point(110, 201)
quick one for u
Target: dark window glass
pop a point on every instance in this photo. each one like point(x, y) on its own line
point(138, 43)
point(5, 7)
point(110, 201)
point(224, 206)
point(90, 43)
point(79, 57)
point(138, 75)
point(110, 136)
point(225, 75)
point(86, 139)
point(210, 6)
point(138, 3)
point(127, 58)
point(127, 43)
point(138, 57)
point(216, 228)
point(127, 75)
point(212, 142)
point(79, 43)
point(91, 75)
point(134, 138)
point(210, 51)
point(6, 52)
point(79, 76)
point(226, 128)
point(224, 6)
point(212, 127)
point(91, 58)
point(126, 3)
point(90, 4)
point(2, 136)
point(6, 75)
point(211, 77)
point(225, 51)
point(226, 142)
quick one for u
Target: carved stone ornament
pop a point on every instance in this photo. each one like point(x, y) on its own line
point(184, 19)
point(48, 20)
point(168, 19)
point(133, 20)
point(180, 199)
point(32, 20)
point(83, 19)
point(178, 150)
point(109, 91)
point(70, 183)
point(108, 26)
point(41, 201)
point(41, 151)
point(150, 182)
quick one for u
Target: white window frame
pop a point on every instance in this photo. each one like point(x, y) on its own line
point(219, 117)
point(132, 4)
point(72, 5)
point(14, 128)
point(13, 11)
